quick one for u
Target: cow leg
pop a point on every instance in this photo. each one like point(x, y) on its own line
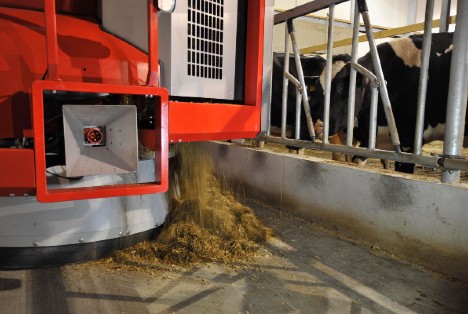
point(303, 135)
point(385, 163)
point(296, 150)
point(258, 144)
point(342, 136)
point(336, 139)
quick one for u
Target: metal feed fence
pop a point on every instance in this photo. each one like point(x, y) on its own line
point(450, 161)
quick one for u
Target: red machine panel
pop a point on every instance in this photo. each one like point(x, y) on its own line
point(19, 179)
point(44, 194)
point(210, 121)
point(70, 52)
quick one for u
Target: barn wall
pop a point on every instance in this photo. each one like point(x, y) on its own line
point(309, 34)
point(382, 13)
point(421, 7)
point(419, 220)
point(385, 13)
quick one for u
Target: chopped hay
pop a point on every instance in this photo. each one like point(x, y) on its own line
point(205, 222)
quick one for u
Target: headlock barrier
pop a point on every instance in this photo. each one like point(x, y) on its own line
point(451, 160)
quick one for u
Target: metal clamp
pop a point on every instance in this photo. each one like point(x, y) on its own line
point(371, 76)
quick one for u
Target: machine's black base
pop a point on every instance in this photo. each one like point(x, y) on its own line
point(37, 257)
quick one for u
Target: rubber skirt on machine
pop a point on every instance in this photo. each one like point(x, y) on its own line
point(36, 257)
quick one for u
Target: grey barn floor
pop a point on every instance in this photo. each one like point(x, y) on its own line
point(307, 270)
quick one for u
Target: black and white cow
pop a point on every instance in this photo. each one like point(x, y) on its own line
point(401, 61)
point(312, 67)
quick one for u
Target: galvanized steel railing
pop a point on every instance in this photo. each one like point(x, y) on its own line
point(450, 161)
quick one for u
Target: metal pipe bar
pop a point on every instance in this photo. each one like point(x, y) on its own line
point(51, 40)
point(455, 164)
point(298, 114)
point(284, 100)
point(375, 83)
point(391, 32)
point(338, 23)
point(305, 9)
point(352, 77)
point(427, 161)
point(328, 70)
point(373, 116)
point(293, 80)
point(458, 92)
point(366, 73)
point(267, 68)
point(362, 5)
point(423, 78)
point(444, 15)
point(300, 74)
point(268, 122)
point(153, 78)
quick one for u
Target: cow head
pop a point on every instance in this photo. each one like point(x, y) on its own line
point(339, 99)
point(338, 62)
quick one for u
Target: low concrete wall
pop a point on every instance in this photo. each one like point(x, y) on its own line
point(425, 222)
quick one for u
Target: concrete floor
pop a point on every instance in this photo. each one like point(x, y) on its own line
point(307, 270)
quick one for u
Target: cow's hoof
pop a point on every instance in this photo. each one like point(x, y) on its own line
point(336, 156)
point(258, 144)
point(404, 167)
point(385, 163)
point(360, 161)
point(240, 141)
point(296, 150)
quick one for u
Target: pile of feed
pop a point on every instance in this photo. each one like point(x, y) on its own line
point(205, 222)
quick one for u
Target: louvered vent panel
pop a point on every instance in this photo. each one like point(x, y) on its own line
point(205, 27)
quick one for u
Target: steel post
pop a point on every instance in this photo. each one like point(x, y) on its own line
point(284, 100)
point(267, 68)
point(300, 74)
point(457, 96)
point(374, 83)
point(444, 15)
point(352, 77)
point(373, 116)
point(298, 114)
point(362, 5)
point(423, 77)
point(328, 70)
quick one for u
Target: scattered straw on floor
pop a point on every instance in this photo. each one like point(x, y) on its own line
point(205, 222)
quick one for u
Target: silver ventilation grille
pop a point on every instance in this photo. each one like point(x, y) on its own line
point(205, 38)
point(197, 43)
